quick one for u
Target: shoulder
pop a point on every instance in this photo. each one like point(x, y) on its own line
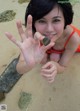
point(74, 40)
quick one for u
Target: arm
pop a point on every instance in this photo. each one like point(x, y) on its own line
point(31, 51)
point(69, 51)
point(21, 66)
point(52, 68)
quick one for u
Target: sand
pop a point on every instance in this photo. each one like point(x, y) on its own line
point(62, 95)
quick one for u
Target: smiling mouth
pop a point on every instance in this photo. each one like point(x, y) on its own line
point(50, 36)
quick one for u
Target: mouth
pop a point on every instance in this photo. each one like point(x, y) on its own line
point(50, 36)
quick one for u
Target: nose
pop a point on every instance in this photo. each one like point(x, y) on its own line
point(50, 27)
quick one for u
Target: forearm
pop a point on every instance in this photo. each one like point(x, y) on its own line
point(22, 67)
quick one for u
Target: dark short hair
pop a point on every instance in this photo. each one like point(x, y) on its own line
point(39, 8)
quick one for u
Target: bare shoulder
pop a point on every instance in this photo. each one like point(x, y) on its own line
point(74, 40)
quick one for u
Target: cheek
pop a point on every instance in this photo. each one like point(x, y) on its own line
point(39, 28)
point(60, 29)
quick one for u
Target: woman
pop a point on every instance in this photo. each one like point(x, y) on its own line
point(43, 18)
point(51, 18)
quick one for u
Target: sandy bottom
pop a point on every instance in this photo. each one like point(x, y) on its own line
point(62, 95)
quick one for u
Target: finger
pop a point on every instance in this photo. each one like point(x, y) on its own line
point(51, 44)
point(50, 77)
point(12, 38)
point(44, 40)
point(48, 71)
point(48, 65)
point(38, 36)
point(46, 75)
point(29, 26)
point(52, 74)
point(20, 30)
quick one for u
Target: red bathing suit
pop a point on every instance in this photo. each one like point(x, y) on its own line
point(51, 50)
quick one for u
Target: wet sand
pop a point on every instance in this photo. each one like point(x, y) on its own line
point(62, 95)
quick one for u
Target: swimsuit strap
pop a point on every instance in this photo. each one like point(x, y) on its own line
point(52, 50)
point(69, 38)
point(76, 29)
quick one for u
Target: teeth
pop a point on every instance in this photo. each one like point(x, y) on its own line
point(50, 35)
point(54, 34)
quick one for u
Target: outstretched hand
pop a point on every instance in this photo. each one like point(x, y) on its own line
point(32, 51)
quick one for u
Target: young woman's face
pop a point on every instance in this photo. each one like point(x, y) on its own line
point(51, 25)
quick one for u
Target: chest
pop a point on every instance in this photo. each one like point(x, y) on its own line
point(60, 44)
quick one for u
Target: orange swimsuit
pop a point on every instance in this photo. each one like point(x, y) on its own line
point(52, 50)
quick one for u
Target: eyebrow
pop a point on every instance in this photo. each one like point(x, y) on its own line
point(57, 17)
point(54, 17)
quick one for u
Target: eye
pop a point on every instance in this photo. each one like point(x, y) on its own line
point(56, 20)
point(42, 21)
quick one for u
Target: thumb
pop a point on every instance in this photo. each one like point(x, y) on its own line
point(38, 36)
point(51, 44)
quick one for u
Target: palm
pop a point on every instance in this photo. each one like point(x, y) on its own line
point(32, 51)
point(29, 46)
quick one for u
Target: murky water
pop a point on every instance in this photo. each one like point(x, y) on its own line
point(62, 95)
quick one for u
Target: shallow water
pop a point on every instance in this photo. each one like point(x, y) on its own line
point(62, 95)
